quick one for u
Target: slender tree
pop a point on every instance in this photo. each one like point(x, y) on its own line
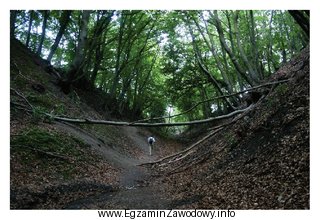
point(31, 16)
point(253, 75)
point(13, 18)
point(302, 18)
point(76, 67)
point(233, 58)
point(46, 14)
point(64, 20)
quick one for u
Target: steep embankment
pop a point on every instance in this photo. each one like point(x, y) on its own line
point(60, 165)
point(259, 161)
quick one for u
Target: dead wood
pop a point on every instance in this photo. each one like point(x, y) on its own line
point(214, 98)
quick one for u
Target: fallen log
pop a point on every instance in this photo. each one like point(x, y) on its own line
point(117, 123)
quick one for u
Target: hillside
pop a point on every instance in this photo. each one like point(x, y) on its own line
point(259, 161)
point(53, 163)
point(256, 160)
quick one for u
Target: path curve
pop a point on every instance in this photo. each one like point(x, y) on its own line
point(133, 192)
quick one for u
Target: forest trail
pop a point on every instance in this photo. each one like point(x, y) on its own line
point(133, 193)
point(252, 150)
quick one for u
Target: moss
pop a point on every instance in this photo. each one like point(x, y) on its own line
point(43, 100)
point(52, 142)
point(282, 89)
point(35, 147)
point(230, 138)
point(271, 103)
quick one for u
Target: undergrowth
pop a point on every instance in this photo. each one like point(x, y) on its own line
point(43, 149)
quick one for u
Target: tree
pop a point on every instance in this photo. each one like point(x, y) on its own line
point(75, 71)
point(210, 76)
point(145, 61)
point(31, 16)
point(13, 18)
point(252, 73)
point(233, 58)
point(302, 18)
point(64, 20)
point(46, 14)
point(97, 44)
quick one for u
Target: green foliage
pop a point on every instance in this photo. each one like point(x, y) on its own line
point(147, 60)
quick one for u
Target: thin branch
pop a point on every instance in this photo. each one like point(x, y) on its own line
point(22, 96)
point(185, 150)
point(212, 99)
point(21, 107)
point(215, 130)
point(19, 71)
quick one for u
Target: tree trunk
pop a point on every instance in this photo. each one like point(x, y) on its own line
point(43, 34)
point(76, 66)
point(290, 44)
point(210, 77)
point(255, 51)
point(270, 42)
point(217, 23)
point(252, 73)
point(211, 46)
point(230, 33)
point(13, 18)
point(138, 59)
point(118, 57)
point(302, 19)
point(100, 44)
point(29, 28)
point(64, 20)
point(117, 123)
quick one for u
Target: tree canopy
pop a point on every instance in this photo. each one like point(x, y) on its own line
point(159, 63)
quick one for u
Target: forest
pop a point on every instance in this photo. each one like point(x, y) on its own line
point(156, 63)
point(205, 83)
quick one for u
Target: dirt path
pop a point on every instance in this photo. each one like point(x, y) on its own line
point(133, 192)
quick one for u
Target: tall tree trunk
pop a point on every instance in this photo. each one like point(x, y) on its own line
point(13, 18)
point(43, 34)
point(233, 58)
point(98, 44)
point(76, 66)
point(97, 62)
point(211, 46)
point(29, 27)
point(230, 33)
point(211, 78)
point(138, 59)
point(64, 20)
point(270, 43)
point(254, 40)
point(252, 73)
point(118, 56)
point(302, 18)
point(283, 40)
point(206, 110)
point(290, 44)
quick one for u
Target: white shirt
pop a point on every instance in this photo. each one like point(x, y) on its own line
point(151, 140)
